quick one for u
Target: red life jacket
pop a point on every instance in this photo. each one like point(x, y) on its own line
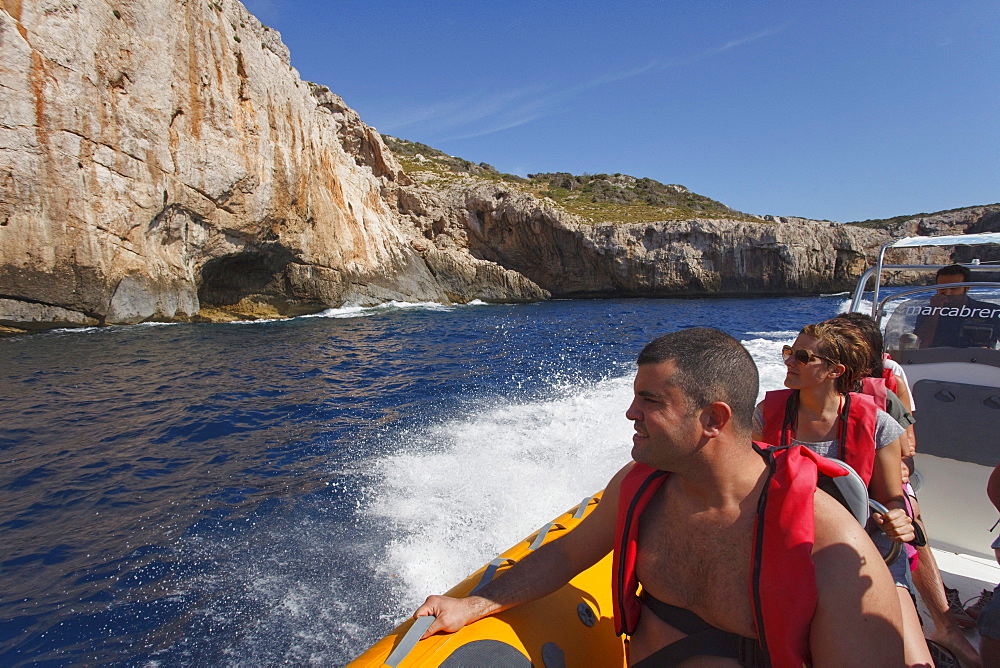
point(891, 381)
point(877, 389)
point(857, 438)
point(783, 541)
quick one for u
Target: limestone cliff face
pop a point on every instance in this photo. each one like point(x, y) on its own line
point(164, 156)
point(692, 257)
point(771, 256)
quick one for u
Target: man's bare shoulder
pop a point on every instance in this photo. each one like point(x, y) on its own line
point(844, 555)
point(609, 499)
point(856, 597)
point(616, 480)
point(834, 523)
point(842, 547)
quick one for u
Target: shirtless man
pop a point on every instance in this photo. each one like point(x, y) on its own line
point(694, 395)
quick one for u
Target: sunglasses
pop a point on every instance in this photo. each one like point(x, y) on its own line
point(802, 356)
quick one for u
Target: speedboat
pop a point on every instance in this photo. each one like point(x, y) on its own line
point(957, 393)
point(948, 347)
point(573, 626)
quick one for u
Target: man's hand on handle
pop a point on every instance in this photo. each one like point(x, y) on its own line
point(453, 613)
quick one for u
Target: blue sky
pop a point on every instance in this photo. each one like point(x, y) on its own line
point(831, 110)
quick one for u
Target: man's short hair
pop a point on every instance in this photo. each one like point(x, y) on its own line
point(954, 270)
point(710, 366)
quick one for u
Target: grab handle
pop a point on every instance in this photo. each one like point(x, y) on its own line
point(410, 640)
point(896, 547)
point(542, 533)
point(491, 570)
point(582, 508)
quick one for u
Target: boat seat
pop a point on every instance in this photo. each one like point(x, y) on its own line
point(850, 490)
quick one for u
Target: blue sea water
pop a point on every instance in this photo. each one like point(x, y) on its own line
point(288, 491)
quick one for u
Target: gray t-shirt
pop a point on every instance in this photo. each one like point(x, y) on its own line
point(895, 407)
point(887, 430)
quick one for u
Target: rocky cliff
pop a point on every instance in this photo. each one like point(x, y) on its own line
point(162, 160)
point(967, 220)
point(508, 220)
point(571, 257)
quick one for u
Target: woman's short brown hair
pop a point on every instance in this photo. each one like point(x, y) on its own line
point(842, 343)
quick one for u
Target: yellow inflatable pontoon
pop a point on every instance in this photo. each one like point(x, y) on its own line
point(573, 626)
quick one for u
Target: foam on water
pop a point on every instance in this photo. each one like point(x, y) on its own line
point(351, 311)
point(766, 353)
point(786, 334)
point(341, 312)
point(466, 489)
point(109, 328)
point(864, 306)
point(365, 311)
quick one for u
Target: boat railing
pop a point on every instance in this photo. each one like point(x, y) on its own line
point(950, 240)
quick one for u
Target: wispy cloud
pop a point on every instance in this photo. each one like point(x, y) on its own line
point(479, 115)
point(462, 111)
point(476, 116)
point(743, 40)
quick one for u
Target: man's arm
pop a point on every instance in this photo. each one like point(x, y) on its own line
point(993, 492)
point(857, 620)
point(540, 573)
point(993, 487)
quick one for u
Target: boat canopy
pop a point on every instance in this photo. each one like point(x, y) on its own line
point(950, 240)
point(916, 242)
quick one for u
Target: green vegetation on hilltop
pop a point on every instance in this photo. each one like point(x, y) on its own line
point(595, 198)
point(884, 223)
point(420, 158)
point(623, 198)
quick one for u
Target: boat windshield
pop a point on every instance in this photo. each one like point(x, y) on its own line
point(935, 320)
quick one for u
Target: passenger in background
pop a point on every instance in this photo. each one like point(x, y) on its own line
point(926, 577)
point(884, 378)
point(956, 320)
point(881, 364)
point(822, 411)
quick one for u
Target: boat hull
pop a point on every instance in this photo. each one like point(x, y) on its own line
point(573, 626)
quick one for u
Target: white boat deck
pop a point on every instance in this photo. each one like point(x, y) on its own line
point(967, 573)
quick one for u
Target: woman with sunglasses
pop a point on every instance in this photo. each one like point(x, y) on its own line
point(822, 411)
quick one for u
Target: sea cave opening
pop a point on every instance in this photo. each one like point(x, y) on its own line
point(228, 280)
